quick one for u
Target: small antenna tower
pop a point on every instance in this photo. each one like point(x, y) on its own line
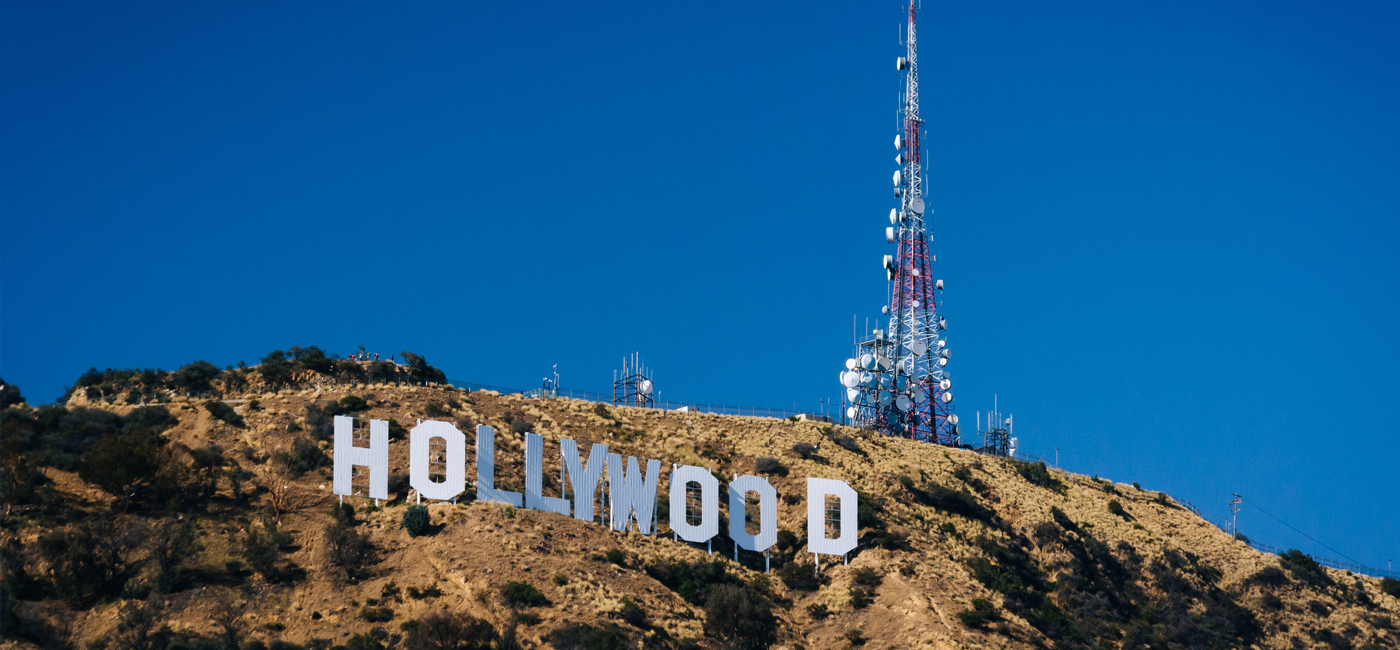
point(998, 438)
point(634, 386)
point(897, 382)
point(1235, 514)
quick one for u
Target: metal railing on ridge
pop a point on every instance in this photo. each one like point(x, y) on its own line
point(665, 405)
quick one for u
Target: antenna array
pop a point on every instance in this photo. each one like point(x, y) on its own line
point(898, 381)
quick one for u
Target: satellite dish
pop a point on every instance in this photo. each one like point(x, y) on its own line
point(898, 192)
point(942, 362)
point(897, 177)
point(901, 63)
point(885, 309)
point(918, 348)
point(946, 384)
point(850, 379)
point(852, 394)
point(919, 395)
point(899, 159)
point(916, 303)
point(886, 382)
point(947, 397)
point(889, 261)
point(884, 364)
point(850, 364)
point(916, 272)
point(938, 284)
point(898, 142)
point(908, 365)
point(953, 419)
point(646, 387)
point(889, 235)
point(901, 382)
point(894, 215)
point(917, 205)
point(867, 361)
point(851, 412)
point(942, 343)
point(943, 323)
point(903, 403)
point(885, 398)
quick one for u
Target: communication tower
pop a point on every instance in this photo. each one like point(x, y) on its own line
point(998, 439)
point(633, 386)
point(898, 381)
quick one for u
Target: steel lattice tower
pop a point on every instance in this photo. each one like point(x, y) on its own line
point(900, 383)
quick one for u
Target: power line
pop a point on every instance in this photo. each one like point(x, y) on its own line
point(1314, 539)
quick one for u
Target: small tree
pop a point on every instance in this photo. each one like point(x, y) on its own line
point(123, 463)
point(172, 542)
point(450, 631)
point(740, 616)
point(348, 550)
point(415, 520)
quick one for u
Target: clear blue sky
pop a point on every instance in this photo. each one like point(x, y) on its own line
point(1168, 231)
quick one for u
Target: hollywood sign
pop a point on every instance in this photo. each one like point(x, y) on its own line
point(631, 493)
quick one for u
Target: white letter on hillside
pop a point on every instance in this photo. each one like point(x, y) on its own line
point(375, 457)
point(584, 480)
point(631, 492)
point(420, 461)
point(709, 504)
point(534, 478)
point(486, 469)
point(767, 513)
point(817, 541)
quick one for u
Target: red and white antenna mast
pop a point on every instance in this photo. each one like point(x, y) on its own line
point(898, 382)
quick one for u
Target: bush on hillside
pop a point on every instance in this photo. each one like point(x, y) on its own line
point(9, 394)
point(224, 413)
point(419, 369)
point(522, 594)
point(1039, 475)
point(738, 615)
point(982, 611)
point(415, 520)
point(1305, 569)
point(1391, 586)
point(581, 636)
point(449, 631)
point(771, 466)
point(195, 377)
point(804, 449)
point(849, 444)
point(348, 551)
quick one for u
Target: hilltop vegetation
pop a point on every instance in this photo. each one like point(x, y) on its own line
point(158, 510)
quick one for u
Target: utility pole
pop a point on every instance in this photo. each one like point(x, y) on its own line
point(1235, 515)
point(1057, 458)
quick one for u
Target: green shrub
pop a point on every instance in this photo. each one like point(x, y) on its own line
point(1304, 568)
point(522, 594)
point(353, 404)
point(866, 576)
point(581, 636)
point(9, 395)
point(1391, 586)
point(633, 614)
point(616, 557)
point(449, 631)
point(854, 637)
point(767, 465)
point(849, 444)
point(561, 579)
point(1039, 475)
point(377, 614)
point(415, 520)
point(800, 577)
point(1117, 508)
point(224, 413)
point(982, 611)
point(906, 482)
point(804, 449)
point(818, 611)
point(739, 615)
point(861, 597)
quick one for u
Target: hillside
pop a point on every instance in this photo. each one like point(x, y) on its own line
point(214, 527)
